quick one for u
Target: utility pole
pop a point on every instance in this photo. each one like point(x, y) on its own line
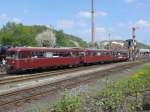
point(93, 23)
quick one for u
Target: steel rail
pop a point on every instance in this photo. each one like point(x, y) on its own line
point(26, 77)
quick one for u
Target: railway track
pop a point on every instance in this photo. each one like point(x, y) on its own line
point(25, 77)
point(26, 95)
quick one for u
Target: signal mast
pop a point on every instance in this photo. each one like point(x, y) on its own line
point(133, 43)
point(133, 37)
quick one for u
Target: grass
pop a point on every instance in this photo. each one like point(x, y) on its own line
point(68, 103)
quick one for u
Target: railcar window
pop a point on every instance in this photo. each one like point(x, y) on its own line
point(12, 55)
point(88, 53)
point(64, 54)
point(74, 54)
point(103, 53)
point(61, 55)
point(23, 55)
point(67, 54)
point(34, 55)
point(114, 53)
point(48, 54)
point(57, 55)
point(99, 54)
point(94, 53)
point(37, 54)
point(91, 53)
point(40, 54)
point(82, 53)
point(107, 53)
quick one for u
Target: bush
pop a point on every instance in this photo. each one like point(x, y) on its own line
point(68, 103)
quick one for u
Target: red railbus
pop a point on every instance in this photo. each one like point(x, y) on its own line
point(94, 56)
point(120, 55)
point(19, 59)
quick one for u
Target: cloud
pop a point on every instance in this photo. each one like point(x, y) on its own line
point(66, 24)
point(98, 30)
point(84, 14)
point(4, 17)
point(69, 24)
point(130, 1)
point(101, 33)
point(142, 24)
point(16, 20)
point(102, 13)
point(87, 14)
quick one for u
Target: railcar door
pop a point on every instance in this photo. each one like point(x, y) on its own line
point(24, 58)
point(82, 57)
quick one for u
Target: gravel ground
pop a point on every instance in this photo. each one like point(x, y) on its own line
point(88, 88)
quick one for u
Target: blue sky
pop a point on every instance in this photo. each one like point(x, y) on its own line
point(116, 17)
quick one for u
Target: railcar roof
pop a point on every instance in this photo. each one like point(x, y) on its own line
point(40, 49)
point(96, 50)
point(58, 49)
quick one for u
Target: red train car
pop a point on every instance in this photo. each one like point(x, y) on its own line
point(20, 59)
point(120, 55)
point(94, 56)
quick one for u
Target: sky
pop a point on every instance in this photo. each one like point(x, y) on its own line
point(114, 17)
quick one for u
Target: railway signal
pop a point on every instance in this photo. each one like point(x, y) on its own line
point(132, 45)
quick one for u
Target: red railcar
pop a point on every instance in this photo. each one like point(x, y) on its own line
point(19, 59)
point(94, 56)
point(120, 55)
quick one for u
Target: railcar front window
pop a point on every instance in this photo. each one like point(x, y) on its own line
point(12, 55)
